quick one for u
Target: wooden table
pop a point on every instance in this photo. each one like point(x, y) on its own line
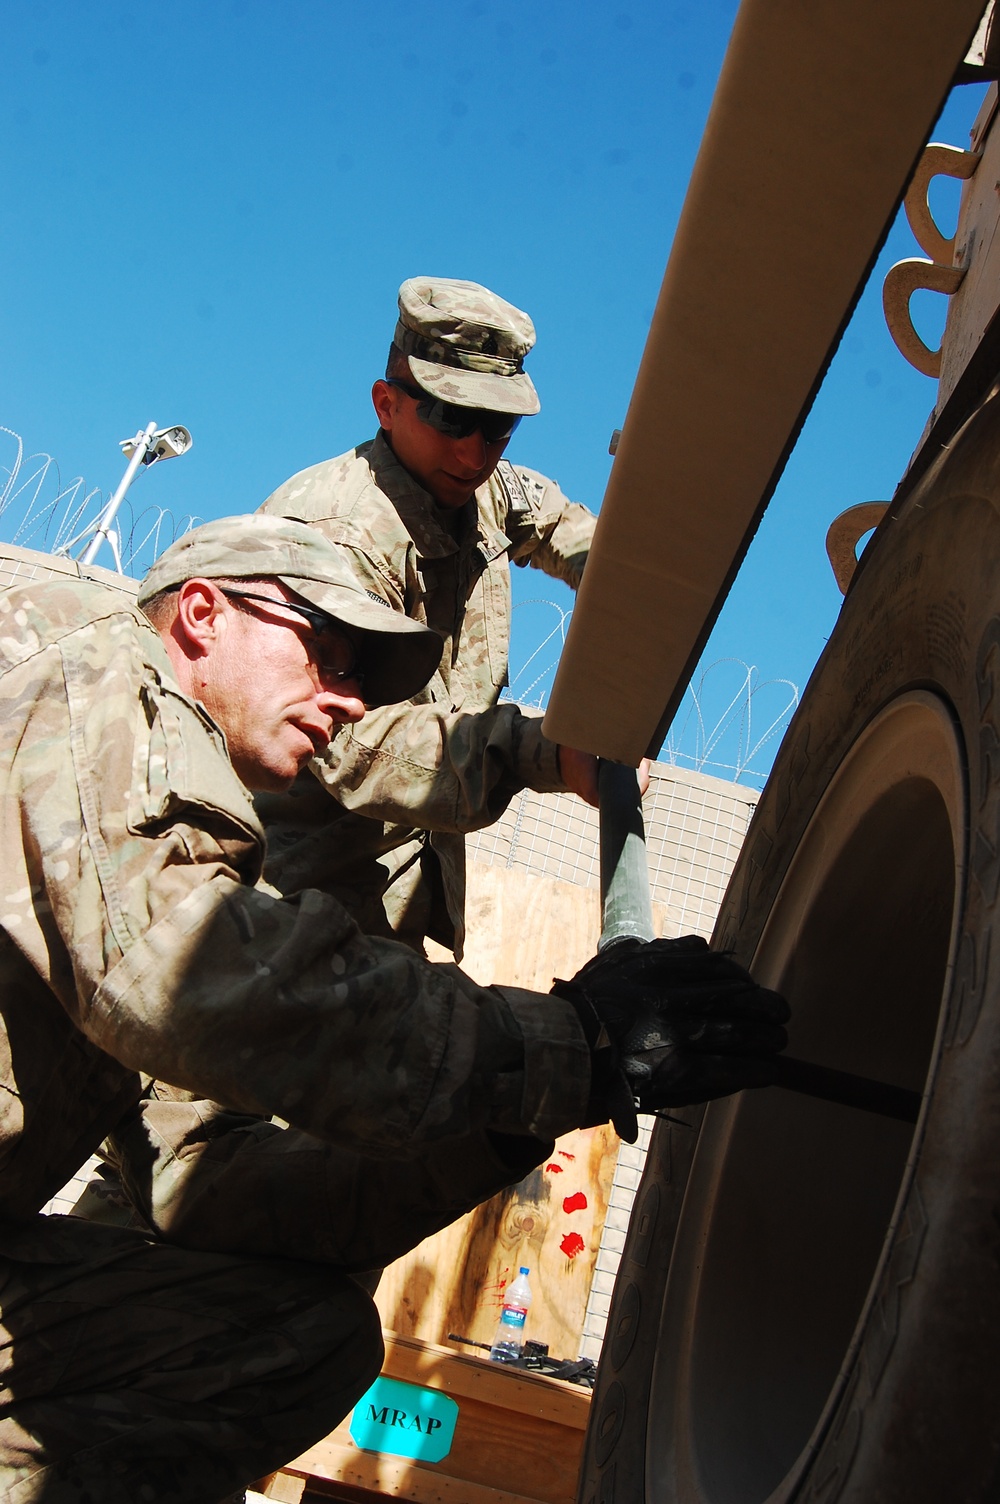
point(517, 1439)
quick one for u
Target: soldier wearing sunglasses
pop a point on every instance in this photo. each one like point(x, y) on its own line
point(431, 516)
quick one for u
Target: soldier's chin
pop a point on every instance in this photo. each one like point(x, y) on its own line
point(454, 493)
point(264, 778)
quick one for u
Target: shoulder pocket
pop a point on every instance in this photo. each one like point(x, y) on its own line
point(180, 761)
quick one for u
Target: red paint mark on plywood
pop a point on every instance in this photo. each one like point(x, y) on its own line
point(572, 1244)
point(575, 1203)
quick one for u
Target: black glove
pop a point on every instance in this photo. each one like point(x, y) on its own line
point(669, 1023)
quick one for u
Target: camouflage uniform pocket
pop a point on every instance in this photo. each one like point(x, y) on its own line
point(180, 760)
point(490, 636)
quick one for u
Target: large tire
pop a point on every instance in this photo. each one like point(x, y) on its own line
point(808, 1307)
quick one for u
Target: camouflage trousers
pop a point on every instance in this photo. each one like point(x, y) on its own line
point(135, 1372)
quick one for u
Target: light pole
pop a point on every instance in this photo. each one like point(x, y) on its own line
point(149, 445)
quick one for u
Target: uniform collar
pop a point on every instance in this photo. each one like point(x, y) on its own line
point(417, 509)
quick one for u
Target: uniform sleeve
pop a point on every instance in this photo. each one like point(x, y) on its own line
point(206, 1177)
point(426, 766)
point(562, 534)
point(143, 847)
point(281, 1007)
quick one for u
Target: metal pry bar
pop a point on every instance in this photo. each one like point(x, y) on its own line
point(847, 1089)
point(627, 911)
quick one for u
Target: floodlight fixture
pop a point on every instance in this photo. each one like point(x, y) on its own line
point(165, 444)
point(148, 446)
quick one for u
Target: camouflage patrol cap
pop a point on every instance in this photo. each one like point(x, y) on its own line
point(466, 345)
point(398, 655)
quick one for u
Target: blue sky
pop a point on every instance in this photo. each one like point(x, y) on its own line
point(208, 209)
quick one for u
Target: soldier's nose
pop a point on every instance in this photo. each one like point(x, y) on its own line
point(343, 705)
point(471, 451)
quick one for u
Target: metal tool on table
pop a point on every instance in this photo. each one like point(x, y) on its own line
point(627, 911)
point(536, 1359)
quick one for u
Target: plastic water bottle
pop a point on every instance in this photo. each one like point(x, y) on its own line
point(508, 1344)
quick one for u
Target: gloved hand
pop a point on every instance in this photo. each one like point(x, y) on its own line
point(669, 1023)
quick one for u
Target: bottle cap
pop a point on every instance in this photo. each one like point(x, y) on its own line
point(523, 1270)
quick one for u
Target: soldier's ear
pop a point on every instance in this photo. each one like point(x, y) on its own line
point(201, 613)
point(384, 400)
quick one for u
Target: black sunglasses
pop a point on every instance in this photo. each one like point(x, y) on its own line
point(334, 651)
point(458, 422)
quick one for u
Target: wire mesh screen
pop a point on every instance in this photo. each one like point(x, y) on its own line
point(695, 827)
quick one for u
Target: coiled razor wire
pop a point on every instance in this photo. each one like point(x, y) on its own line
point(736, 739)
point(38, 511)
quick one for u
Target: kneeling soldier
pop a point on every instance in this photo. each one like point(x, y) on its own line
point(137, 942)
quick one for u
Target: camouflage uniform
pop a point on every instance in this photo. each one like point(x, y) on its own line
point(136, 942)
point(409, 780)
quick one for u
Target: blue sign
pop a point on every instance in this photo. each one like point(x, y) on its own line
point(404, 1420)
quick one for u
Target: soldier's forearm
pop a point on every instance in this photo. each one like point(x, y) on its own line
point(281, 1007)
point(422, 766)
point(206, 1177)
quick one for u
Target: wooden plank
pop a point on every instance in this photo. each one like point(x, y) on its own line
point(505, 1420)
point(524, 930)
point(551, 1221)
point(820, 114)
point(437, 1367)
point(393, 1478)
point(485, 1453)
point(287, 1488)
point(494, 1433)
